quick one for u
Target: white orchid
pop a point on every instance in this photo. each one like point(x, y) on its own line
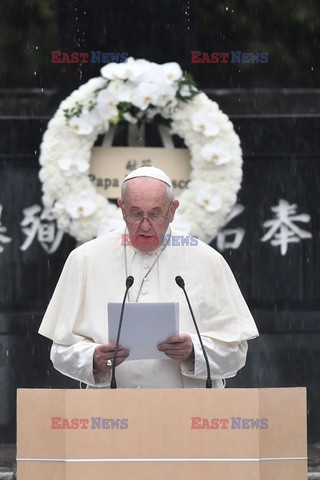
point(132, 70)
point(144, 95)
point(216, 152)
point(209, 199)
point(172, 71)
point(73, 165)
point(166, 74)
point(152, 73)
point(80, 206)
point(85, 123)
point(166, 93)
point(110, 71)
point(122, 91)
point(205, 123)
point(107, 105)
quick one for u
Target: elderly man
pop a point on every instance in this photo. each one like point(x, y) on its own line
point(95, 273)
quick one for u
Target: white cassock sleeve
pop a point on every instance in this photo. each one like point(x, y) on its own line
point(225, 359)
point(76, 361)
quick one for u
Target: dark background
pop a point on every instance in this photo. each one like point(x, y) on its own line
point(162, 31)
point(275, 110)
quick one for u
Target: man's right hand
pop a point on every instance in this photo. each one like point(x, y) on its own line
point(103, 353)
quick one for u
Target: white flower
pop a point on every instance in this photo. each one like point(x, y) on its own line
point(131, 70)
point(84, 124)
point(216, 152)
point(73, 165)
point(205, 123)
point(172, 71)
point(166, 93)
point(106, 105)
point(122, 91)
point(109, 71)
point(112, 71)
point(209, 199)
point(152, 73)
point(80, 206)
point(145, 94)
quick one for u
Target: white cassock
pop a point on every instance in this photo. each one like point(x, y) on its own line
point(94, 275)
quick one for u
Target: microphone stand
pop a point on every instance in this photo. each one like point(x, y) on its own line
point(129, 283)
point(180, 283)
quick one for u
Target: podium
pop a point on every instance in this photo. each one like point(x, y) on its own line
point(225, 434)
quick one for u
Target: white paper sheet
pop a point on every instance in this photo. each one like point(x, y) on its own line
point(144, 326)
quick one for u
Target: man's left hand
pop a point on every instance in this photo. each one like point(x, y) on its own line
point(178, 347)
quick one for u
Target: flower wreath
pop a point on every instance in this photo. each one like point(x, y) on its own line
point(135, 92)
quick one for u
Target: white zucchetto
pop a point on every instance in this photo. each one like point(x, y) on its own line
point(151, 172)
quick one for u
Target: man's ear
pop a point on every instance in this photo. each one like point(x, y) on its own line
point(173, 208)
point(120, 202)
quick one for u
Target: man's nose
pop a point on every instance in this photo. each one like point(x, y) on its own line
point(145, 223)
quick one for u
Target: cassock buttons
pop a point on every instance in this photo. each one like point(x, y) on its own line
point(146, 265)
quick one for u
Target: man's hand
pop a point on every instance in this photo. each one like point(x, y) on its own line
point(178, 347)
point(104, 354)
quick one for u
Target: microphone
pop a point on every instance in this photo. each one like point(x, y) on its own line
point(129, 283)
point(180, 283)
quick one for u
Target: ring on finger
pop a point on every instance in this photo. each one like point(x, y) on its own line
point(109, 363)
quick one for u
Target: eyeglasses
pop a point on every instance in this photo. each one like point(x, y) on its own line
point(138, 218)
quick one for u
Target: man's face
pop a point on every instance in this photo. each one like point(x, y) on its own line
point(147, 196)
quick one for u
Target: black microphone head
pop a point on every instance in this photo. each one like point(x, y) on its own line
point(180, 281)
point(129, 281)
